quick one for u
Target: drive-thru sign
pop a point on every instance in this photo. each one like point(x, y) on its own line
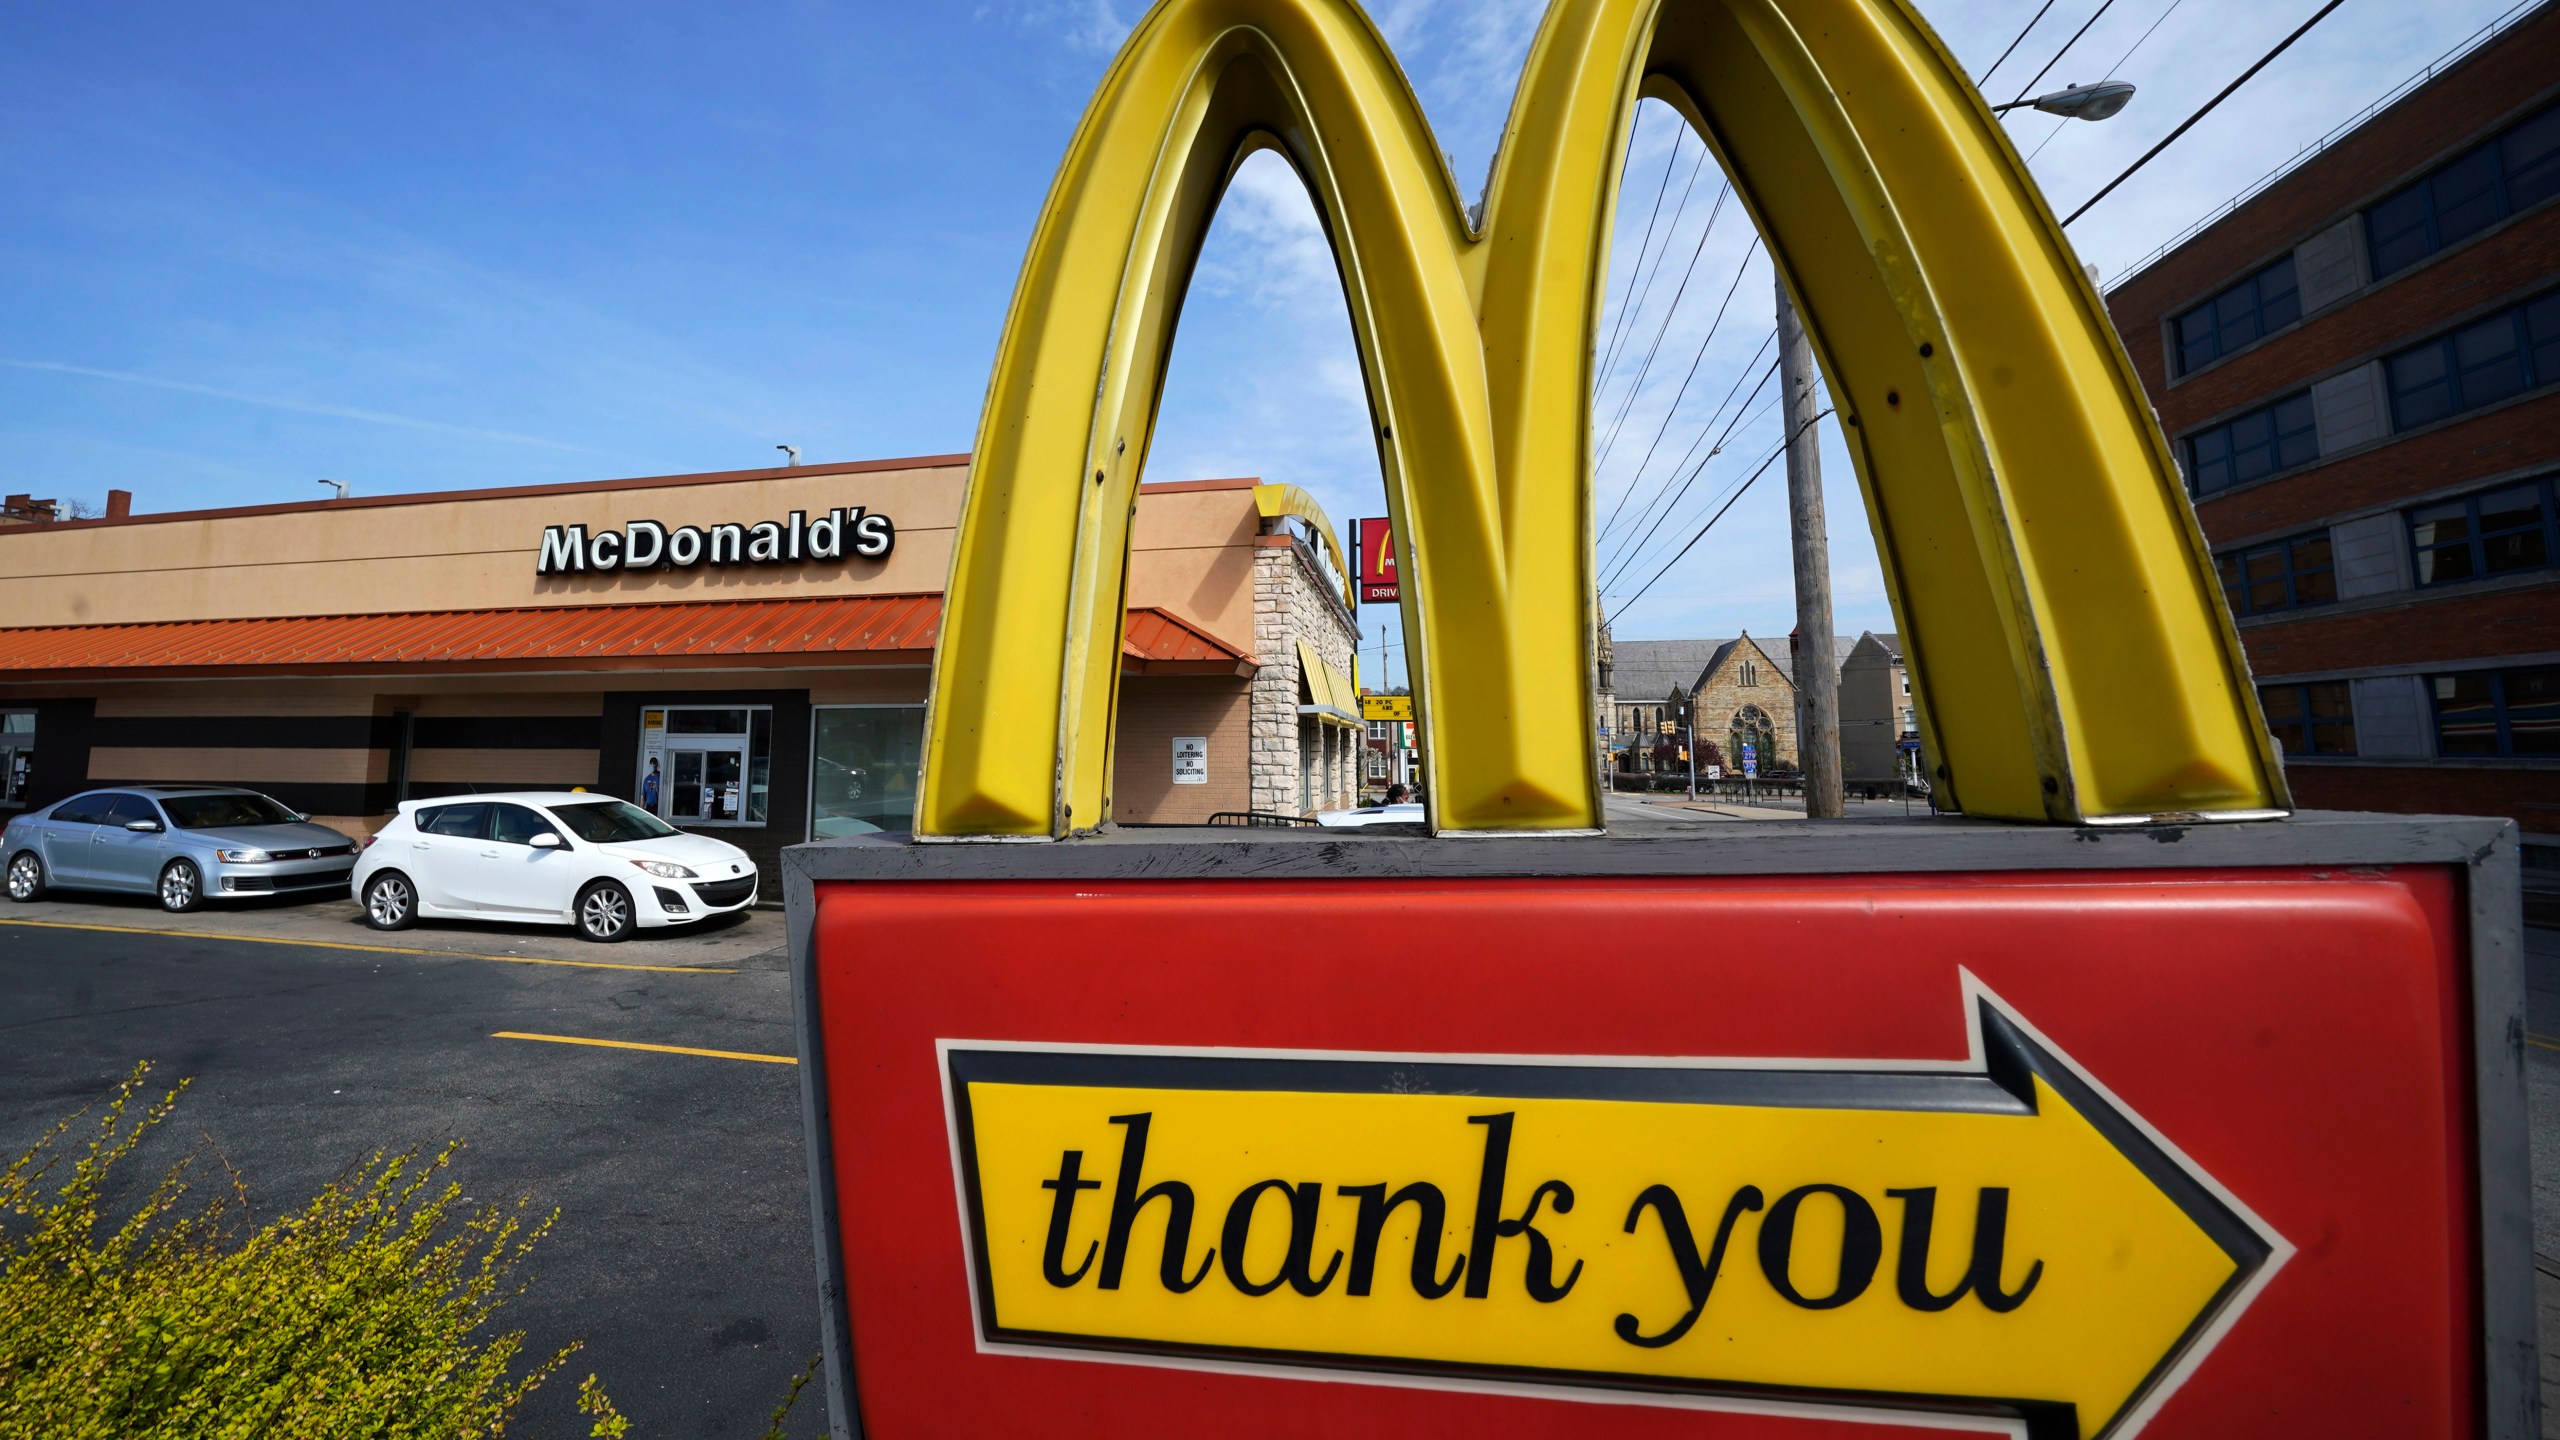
point(2128, 1104)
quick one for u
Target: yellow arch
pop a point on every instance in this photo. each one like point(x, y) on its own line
point(2066, 638)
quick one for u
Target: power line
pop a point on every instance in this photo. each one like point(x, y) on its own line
point(1668, 162)
point(1694, 362)
point(1636, 386)
point(2102, 9)
point(1720, 514)
point(2063, 122)
point(1633, 554)
point(2013, 45)
point(2189, 123)
point(1630, 551)
point(1682, 463)
point(1661, 257)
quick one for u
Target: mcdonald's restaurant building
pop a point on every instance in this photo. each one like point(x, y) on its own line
point(745, 653)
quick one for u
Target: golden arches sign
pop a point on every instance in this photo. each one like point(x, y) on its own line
point(2058, 612)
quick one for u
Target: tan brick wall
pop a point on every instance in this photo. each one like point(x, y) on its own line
point(1155, 709)
point(1292, 602)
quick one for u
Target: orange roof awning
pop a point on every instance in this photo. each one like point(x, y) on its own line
point(832, 630)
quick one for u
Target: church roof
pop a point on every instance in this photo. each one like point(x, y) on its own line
point(1647, 670)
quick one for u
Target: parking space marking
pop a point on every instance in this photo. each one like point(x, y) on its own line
point(2547, 1042)
point(373, 949)
point(637, 1045)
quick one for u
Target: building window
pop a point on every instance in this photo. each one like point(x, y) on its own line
point(2498, 532)
point(2498, 712)
point(2284, 575)
point(703, 765)
point(862, 769)
point(1753, 741)
point(1750, 677)
point(2267, 440)
point(2260, 305)
point(2314, 719)
point(17, 754)
point(2480, 364)
point(2515, 170)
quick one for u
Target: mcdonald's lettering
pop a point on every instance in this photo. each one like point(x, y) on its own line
point(650, 545)
point(1997, 1230)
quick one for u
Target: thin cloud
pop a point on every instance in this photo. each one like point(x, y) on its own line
point(283, 402)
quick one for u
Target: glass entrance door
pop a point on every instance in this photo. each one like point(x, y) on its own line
point(710, 781)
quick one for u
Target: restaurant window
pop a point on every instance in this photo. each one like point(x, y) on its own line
point(2496, 532)
point(2285, 575)
point(2482, 363)
point(2267, 440)
point(2313, 719)
point(706, 765)
point(2258, 306)
point(17, 755)
point(2516, 170)
point(2498, 712)
point(862, 774)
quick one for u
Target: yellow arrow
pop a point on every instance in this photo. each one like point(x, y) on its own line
point(1995, 1237)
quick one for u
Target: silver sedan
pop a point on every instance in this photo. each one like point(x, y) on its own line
point(184, 844)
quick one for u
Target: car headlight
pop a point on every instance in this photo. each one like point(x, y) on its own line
point(665, 869)
point(240, 857)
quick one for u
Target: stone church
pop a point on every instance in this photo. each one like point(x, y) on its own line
point(1744, 691)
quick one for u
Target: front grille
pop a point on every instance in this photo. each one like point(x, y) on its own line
point(321, 852)
point(318, 880)
point(724, 892)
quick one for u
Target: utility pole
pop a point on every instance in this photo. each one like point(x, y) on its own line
point(1817, 673)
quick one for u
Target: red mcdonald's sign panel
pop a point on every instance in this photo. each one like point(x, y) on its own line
point(1378, 562)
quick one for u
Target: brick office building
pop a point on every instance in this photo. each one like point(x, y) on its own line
point(2359, 369)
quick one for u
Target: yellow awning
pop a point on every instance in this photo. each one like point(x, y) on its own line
point(1331, 697)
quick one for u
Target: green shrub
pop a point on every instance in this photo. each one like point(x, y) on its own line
point(369, 1312)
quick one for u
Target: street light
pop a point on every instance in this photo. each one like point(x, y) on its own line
point(2079, 102)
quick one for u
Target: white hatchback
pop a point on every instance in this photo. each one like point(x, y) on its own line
point(546, 857)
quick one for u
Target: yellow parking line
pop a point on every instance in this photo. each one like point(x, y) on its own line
point(2547, 1042)
point(374, 949)
point(636, 1045)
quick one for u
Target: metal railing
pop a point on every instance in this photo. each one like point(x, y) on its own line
point(2300, 157)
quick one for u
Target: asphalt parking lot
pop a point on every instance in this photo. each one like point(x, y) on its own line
point(682, 1253)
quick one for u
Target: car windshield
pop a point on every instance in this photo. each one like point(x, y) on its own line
point(607, 821)
point(212, 812)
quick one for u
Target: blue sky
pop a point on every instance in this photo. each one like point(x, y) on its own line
point(429, 247)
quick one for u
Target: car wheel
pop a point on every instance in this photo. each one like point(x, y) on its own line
point(26, 877)
point(390, 902)
point(604, 913)
point(181, 887)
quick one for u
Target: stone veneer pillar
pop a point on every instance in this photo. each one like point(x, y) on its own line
point(1290, 604)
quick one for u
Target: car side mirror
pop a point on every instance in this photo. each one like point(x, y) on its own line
point(143, 827)
point(547, 841)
